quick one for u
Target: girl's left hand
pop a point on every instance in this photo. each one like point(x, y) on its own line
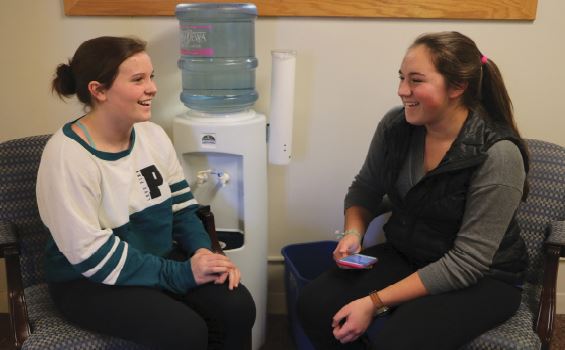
point(207, 266)
point(233, 276)
point(347, 245)
point(352, 320)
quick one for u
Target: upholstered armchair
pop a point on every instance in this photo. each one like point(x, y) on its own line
point(34, 322)
point(542, 221)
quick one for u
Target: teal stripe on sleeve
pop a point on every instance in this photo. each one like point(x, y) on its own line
point(110, 265)
point(179, 186)
point(95, 258)
point(185, 197)
point(150, 270)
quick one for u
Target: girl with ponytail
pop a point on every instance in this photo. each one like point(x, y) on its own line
point(452, 164)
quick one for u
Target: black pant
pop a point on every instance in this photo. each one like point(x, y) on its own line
point(207, 317)
point(444, 321)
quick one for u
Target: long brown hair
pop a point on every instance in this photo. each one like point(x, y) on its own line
point(458, 59)
point(95, 60)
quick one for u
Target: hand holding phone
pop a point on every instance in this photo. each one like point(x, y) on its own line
point(357, 261)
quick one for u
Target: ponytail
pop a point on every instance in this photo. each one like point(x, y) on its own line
point(494, 97)
point(64, 81)
point(498, 106)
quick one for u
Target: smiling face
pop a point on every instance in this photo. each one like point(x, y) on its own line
point(423, 90)
point(130, 96)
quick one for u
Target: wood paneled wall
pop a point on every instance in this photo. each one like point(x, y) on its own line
point(446, 9)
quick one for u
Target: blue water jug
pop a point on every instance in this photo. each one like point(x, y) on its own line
point(217, 45)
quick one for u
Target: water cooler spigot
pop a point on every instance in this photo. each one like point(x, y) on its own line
point(224, 178)
point(202, 176)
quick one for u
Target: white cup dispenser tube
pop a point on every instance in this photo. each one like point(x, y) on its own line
point(282, 106)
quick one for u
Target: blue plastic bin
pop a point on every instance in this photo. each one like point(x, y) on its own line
point(303, 263)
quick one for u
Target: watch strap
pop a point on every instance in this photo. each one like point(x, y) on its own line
point(379, 307)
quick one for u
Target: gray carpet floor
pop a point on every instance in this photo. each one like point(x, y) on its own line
point(279, 337)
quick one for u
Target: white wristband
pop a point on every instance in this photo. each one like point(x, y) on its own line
point(340, 235)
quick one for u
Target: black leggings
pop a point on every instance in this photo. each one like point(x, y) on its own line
point(207, 317)
point(443, 321)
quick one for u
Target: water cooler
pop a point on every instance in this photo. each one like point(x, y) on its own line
point(224, 160)
point(221, 141)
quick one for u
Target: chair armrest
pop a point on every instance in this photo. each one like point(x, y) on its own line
point(554, 248)
point(207, 218)
point(8, 236)
point(557, 236)
point(9, 250)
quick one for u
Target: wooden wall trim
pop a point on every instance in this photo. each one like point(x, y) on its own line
point(432, 9)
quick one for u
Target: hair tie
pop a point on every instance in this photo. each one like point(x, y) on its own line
point(484, 59)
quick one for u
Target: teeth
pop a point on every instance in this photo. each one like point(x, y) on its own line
point(146, 103)
point(411, 104)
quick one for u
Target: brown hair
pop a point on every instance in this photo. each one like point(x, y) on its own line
point(95, 60)
point(458, 59)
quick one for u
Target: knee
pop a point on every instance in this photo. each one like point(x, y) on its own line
point(240, 307)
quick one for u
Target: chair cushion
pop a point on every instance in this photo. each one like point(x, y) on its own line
point(50, 331)
point(518, 332)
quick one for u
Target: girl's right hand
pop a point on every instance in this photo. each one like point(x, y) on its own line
point(207, 266)
point(347, 245)
point(352, 320)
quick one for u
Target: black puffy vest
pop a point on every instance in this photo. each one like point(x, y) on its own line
point(425, 223)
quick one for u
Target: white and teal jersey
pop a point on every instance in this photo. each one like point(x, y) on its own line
point(113, 216)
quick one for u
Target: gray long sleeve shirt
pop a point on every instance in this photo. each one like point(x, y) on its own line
point(494, 195)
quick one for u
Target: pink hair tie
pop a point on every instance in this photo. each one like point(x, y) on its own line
point(484, 59)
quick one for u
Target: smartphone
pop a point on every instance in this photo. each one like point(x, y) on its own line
point(357, 261)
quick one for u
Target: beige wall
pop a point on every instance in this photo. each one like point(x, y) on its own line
point(346, 80)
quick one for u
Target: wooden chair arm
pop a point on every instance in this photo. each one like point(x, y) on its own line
point(19, 321)
point(546, 313)
point(207, 218)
